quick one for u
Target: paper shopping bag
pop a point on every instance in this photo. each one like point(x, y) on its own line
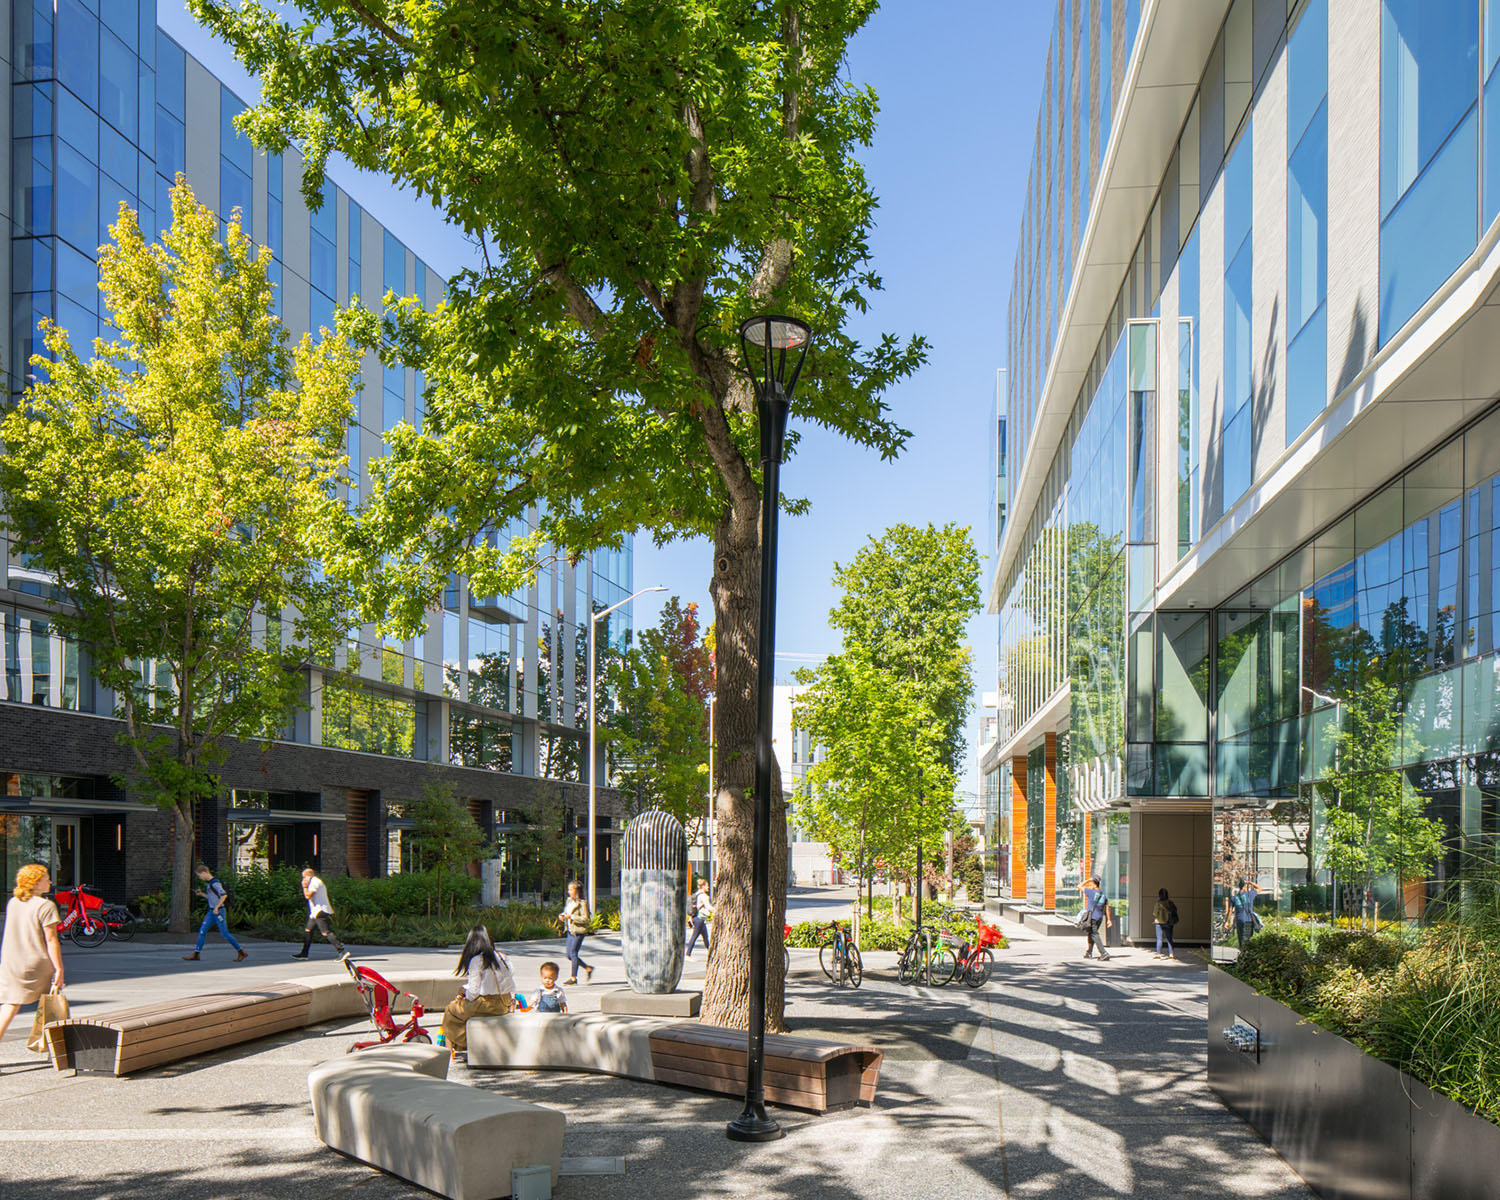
point(53, 1006)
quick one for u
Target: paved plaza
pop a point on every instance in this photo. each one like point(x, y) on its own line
point(1060, 1077)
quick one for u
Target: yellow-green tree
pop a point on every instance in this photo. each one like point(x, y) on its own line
point(179, 486)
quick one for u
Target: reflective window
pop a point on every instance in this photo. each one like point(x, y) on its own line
point(321, 272)
point(234, 146)
point(31, 161)
point(77, 198)
point(395, 265)
point(31, 265)
point(119, 71)
point(1429, 68)
point(1187, 394)
point(171, 76)
point(1104, 87)
point(356, 240)
point(33, 38)
point(1307, 220)
point(1491, 110)
point(320, 311)
point(78, 68)
point(76, 123)
point(171, 145)
point(1238, 351)
point(77, 276)
point(235, 193)
point(117, 157)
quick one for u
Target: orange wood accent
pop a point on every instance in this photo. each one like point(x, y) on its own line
point(1018, 827)
point(1049, 827)
point(1088, 846)
point(357, 835)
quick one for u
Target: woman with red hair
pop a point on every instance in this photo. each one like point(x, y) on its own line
point(30, 956)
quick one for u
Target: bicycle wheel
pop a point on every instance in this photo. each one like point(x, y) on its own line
point(422, 1036)
point(89, 934)
point(855, 966)
point(826, 958)
point(121, 922)
point(904, 971)
point(786, 962)
point(979, 969)
point(940, 966)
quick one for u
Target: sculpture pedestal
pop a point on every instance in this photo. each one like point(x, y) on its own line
point(624, 1002)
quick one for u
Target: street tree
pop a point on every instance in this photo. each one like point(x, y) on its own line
point(641, 178)
point(658, 733)
point(907, 598)
point(179, 487)
point(444, 834)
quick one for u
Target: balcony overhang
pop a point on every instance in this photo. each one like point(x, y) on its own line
point(1175, 40)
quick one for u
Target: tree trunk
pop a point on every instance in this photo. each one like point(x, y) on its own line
point(736, 592)
point(182, 866)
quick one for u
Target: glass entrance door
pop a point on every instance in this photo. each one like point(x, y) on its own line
point(65, 845)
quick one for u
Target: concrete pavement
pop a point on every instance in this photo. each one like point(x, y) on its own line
point(1058, 1077)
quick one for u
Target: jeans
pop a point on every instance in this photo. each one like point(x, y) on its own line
point(1164, 935)
point(1244, 930)
point(700, 929)
point(215, 916)
point(1096, 938)
point(573, 947)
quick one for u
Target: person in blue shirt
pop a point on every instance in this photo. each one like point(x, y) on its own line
point(1241, 906)
point(217, 896)
point(1096, 905)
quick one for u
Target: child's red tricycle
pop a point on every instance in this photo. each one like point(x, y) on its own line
point(379, 993)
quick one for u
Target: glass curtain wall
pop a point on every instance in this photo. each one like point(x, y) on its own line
point(1307, 219)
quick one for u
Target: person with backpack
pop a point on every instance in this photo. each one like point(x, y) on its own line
point(1096, 913)
point(217, 896)
point(700, 908)
point(1165, 916)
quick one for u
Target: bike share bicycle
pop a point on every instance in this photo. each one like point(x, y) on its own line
point(88, 920)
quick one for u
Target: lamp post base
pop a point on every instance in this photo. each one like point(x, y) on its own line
point(753, 1125)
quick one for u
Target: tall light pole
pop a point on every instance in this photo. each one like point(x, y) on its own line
point(593, 625)
point(774, 348)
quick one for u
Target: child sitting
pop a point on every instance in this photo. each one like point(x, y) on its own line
point(549, 998)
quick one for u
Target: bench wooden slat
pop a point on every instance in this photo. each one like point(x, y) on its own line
point(137, 1034)
point(813, 1102)
point(805, 1068)
point(799, 1081)
point(783, 1045)
point(237, 1027)
point(208, 1002)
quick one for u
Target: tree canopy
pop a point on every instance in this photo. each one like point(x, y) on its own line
point(180, 488)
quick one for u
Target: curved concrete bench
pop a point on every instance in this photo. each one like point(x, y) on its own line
point(389, 1108)
point(799, 1072)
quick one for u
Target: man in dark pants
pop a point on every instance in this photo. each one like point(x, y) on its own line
point(318, 912)
point(1096, 905)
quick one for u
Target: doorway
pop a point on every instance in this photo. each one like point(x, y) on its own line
point(65, 852)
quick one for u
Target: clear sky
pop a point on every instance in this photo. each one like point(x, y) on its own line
point(959, 83)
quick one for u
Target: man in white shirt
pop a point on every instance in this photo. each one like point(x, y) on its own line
point(318, 912)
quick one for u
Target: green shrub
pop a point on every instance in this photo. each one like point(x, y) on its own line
point(974, 880)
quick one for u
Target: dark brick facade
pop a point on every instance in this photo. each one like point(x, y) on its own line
point(46, 741)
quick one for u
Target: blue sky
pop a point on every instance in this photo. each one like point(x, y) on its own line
point(959, 84)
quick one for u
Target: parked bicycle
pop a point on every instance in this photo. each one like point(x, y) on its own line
point(83, 916)
point(926, 960)
point(839, 958)
point(975, 959)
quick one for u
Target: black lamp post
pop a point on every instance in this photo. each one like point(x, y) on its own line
point(774, 348)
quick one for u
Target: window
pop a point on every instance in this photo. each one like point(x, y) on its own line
point(119, 71)
point(1187, 394)
point(171, 76)
point(1307, 220)
point(1491, 110)
point(1238, 352)
point(78, 68)
point(356, 237)
point(1428, 151)
point(77, 199)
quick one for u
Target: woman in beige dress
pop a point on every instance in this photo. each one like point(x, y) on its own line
point(30, 956)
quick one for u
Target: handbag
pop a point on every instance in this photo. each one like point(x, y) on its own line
point(53, 1006)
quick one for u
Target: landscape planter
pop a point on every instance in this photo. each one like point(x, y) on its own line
point(1354, 1127)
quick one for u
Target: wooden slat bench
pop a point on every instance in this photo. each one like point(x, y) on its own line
point(799, 1072)
point(123, 1040)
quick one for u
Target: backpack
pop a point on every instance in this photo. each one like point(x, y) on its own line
point(1171, 912)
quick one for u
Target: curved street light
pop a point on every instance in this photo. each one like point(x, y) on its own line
point(593, 835)
point(774, 348)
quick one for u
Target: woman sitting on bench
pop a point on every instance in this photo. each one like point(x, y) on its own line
point(488, 988)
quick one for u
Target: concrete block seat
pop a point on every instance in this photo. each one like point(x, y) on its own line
point(396, 1112)
point(122, 1040)
point(799, 1072)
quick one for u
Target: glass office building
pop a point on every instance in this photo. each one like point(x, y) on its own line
point(1245, 586)
point(107, 109)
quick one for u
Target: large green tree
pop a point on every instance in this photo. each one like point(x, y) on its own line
point(179, 486)
point(658, 735)
point(642, 176)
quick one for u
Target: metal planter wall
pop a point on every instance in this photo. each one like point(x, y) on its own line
point(1354, 1127)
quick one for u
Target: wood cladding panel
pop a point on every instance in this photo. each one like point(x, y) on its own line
point(1049, 826)
point(1018, 826)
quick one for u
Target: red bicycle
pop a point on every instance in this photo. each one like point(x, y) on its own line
point(83, 916)
point(975, 959)
point(379, 995)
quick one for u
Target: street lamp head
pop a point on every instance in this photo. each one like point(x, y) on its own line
point(774, 348)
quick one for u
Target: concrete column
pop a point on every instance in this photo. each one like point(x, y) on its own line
point(1018, 827)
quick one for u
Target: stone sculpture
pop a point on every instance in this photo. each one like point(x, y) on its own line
point(653, 902)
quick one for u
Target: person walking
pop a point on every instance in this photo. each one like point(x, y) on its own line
point(1096, 906)
point(1165, 916)
point(700, 908)
point(217, 896)
point(1240, 907)
point(318, 912)
point(488, 988)
point(575, 923)
point(30, 956)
